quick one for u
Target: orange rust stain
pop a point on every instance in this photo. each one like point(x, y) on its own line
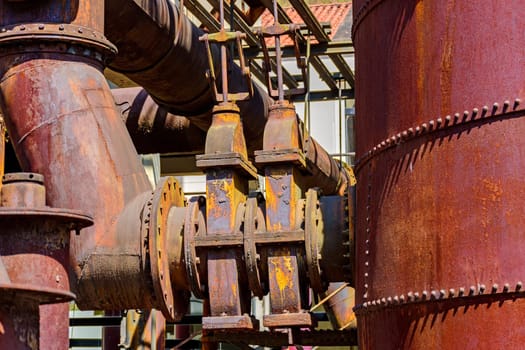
point(283, 276)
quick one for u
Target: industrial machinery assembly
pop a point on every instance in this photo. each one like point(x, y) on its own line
point(427, 233)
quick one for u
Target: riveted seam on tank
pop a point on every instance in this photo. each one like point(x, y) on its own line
point(439, 124)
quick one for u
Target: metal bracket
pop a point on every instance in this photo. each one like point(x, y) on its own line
point(223, 38)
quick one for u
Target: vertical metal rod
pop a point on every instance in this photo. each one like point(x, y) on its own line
point(278, 55)
point(224, 68)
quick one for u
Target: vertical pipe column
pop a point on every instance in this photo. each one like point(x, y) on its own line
point(63, 123)
point(439, 191)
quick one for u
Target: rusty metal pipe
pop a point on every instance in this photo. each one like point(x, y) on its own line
point(441, 121)
point(153, 129)
point(63, 123)
point(160, 50)
point(156, 44)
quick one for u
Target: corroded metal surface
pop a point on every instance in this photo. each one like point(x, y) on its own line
point(34, 259)
point(153, 129)
point(156, 43)
point(439, 196)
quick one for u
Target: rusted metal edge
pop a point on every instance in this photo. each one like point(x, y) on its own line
point(56, 32)
point(244, 322)
point(308, 337)
point(460, 295)
point(76, 218)
point(41, 294)
point(362, 13)
point(441, 124)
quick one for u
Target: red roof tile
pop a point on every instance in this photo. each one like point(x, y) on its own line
point(333, 13)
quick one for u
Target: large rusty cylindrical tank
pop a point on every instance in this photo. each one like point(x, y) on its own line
point(440, 239)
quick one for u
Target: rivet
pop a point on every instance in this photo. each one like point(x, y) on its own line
point(366, 263)
point(484, 110)
point(434, 294)
point(396, 299)
point(374, 149)
point(405, 134)
point(416, 296)
point(410, 131)
point(3, 30)
point(22, 27)
point(383, 143)
point(451, 293)
point(495, 107)
point(393, 139)
point(494, 288)
point(424, 126)
point(518, 286)
point(365, 305)
point(471, 291)
point(506, 104)
point(401, 298)
point(417, 129)
point(41, 26)
point(61, 27)
point(367, 241)
point(439, 121)
point(366, 274)
point(474, 113)
point(367, 252)
point(431, 124)
point(517, 103)
point(80, 30)
point(389, 300)
point(506, 287)
point(465, 115)
point(366, 285)
point(410, 296)
point(482, 289)
point(461, 291)
point(383, 301)
point(456, 117)
point(424, 294)
point(374, 303)
point(442, 293)
point(447, 119)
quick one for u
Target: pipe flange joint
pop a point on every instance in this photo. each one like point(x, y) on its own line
point(36, 35)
